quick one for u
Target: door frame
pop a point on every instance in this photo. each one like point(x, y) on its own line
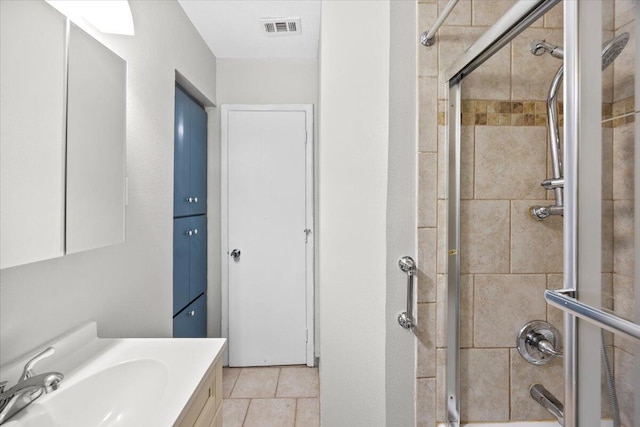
point(309, 217)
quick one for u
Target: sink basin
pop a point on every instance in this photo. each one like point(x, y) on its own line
point(116, 399)
point(115, 382)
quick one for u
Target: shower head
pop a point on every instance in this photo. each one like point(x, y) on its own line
point(613, 48)
point(610, 50)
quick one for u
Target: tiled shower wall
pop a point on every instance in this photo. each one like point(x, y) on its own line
point(625, 114)
point(508, 258)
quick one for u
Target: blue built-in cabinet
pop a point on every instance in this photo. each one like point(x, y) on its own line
point(189, 259)
point(189, 218)
point(190, 157)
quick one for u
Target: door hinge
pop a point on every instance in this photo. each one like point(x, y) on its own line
point(305, 137)
point(307, 335)
point(306, 235)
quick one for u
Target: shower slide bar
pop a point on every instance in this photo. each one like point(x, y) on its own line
point(428, 38)
point(609, 321)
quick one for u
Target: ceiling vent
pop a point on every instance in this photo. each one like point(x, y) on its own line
point(281, 26)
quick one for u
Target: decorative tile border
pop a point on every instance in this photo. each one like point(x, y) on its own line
point(530, 113)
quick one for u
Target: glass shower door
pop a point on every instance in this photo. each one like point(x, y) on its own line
point(601, 299)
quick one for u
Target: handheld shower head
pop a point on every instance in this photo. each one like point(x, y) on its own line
point(610, 50)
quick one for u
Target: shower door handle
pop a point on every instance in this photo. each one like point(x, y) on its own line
point(408, 265)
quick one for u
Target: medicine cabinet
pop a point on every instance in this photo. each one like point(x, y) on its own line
point(62, 137)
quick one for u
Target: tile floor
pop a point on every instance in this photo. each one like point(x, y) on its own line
point(271, 397)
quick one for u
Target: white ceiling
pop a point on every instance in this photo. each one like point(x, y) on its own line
point(232, 28)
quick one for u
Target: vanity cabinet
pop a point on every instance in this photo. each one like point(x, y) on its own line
point(62, 137)
point(204, 408)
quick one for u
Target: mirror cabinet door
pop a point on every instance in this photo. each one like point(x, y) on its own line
point(32, 117)
point(96, 131)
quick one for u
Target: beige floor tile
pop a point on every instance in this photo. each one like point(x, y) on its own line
point(298, 382)
point(271, 413)
point(229, 378)
point(256, 383)
point(234, 411)
point(308, 412)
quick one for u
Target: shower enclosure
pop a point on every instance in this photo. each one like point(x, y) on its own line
point(578, 269)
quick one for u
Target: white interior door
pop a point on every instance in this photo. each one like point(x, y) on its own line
point(266, 223)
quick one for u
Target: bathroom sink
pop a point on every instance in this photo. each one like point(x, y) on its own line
point(129, 382)
point(120, 396)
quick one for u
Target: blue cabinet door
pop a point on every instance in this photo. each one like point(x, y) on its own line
point(198, 256)
point(181, 263)
point(198, 155)
point(182, 159)
point(192, 321)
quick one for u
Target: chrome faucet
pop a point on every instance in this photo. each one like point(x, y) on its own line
point(28, 388)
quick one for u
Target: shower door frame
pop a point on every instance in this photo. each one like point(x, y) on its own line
point(513, 22)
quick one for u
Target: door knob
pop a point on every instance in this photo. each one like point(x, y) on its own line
point(235, 254)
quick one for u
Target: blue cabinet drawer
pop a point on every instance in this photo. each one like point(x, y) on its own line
point(192, 321)
point(189, 259)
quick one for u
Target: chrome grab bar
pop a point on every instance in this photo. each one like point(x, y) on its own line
point(601, 318)
point(408, 265)
point(429, 37)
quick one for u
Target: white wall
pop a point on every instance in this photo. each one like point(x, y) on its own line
point(127, 288)
point(261, 81)
point(401, 212)
point(354, 142)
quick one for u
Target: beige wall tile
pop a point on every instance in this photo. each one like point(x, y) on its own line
point(307, 412)
point(624, 305)
point(427, 56)
point(234, 411)
point(503, 303)
point(426, 402)
point(442, 237)
point(484, 388)
point(624, 377)
point(608, 15)
point(427, 189)
point(298, 382)
point(536, 246)
point(484, 236)
point(487, 12)
point(492, 80)
point(607, 163)
point(623, 12)
point(509, 162)
point(623, 161)
point(554, 18)
point(452, 41)
point(460, 15)
point(271, 413)
point(623, 67)
point(532, 75)
point(607, 236)
point(441, 361)
point(623, 235)
point(523, 376)
point(425, 332)
point(466, 162)
point(428, 115)
point(427, 260)
point(466, 311)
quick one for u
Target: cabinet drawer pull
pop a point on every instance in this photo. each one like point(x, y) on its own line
point(195, 231)
point(191, 313)
point(188, 233)
point(195, 200)
point(189, 199)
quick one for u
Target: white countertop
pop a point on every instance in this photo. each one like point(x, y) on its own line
point(116, 382)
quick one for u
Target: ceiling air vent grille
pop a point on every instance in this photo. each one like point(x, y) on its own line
point(281, 26)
